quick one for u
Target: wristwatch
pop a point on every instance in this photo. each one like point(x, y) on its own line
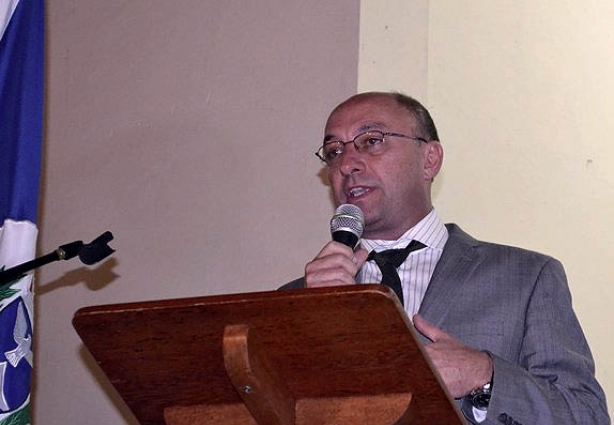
point(480, 397)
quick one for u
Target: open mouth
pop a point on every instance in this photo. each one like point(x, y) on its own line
point(357, 192)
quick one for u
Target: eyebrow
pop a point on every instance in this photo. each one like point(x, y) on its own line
point(362, 129)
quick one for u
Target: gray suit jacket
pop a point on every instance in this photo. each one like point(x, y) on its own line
point(516, 305)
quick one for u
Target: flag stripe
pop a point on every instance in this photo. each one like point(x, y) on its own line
point(6, 12)
point(21, 127)
point(21, 111)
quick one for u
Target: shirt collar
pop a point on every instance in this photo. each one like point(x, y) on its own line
point(430, 231)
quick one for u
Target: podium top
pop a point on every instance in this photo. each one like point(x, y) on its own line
point(328, 342)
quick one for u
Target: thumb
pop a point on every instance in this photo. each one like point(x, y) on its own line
point(360, 257)
point(428, 330)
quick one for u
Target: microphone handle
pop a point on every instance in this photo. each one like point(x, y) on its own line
point(345, 237)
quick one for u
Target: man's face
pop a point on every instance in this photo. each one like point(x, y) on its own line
point(393, 188)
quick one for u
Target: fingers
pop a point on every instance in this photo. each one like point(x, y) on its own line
point(461, 368)
point(428, 330)
point(335, 265)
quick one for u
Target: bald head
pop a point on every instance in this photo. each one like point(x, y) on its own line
point(417, 112)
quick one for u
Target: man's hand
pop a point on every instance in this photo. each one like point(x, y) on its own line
point(335, 265)
point(461, 368)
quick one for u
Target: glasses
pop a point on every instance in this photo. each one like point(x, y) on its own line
point(370, 142)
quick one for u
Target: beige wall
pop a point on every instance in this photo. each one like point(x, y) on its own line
point(188, 130)
point(163, 122)
point(394, 46)
point(523, 96)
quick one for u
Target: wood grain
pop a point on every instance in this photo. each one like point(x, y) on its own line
point(329, 343)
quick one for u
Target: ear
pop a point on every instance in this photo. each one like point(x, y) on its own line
point(433, 159)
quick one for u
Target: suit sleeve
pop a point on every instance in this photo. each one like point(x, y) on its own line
point(552, 381)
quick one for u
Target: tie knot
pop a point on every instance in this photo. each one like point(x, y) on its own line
point(394, 257)
point(388, 261)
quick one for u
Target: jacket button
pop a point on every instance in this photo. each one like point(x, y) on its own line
point(507, 420)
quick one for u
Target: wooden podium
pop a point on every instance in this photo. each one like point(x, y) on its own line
point(331, 356)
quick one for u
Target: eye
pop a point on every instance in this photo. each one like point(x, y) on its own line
point(373, 141)
point(332, 150)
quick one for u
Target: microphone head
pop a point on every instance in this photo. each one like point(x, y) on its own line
point(347, 225)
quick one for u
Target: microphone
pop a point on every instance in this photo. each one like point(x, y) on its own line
point(89, 254)
point(347, 225)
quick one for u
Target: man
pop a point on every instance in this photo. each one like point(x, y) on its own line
point(497, 320)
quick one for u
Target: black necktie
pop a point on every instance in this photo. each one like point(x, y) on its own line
point(388, 261)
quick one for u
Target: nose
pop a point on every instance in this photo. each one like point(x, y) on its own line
point(352, 161)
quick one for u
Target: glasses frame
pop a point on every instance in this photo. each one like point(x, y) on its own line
point(320, 152)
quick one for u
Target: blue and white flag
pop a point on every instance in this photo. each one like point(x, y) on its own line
point(22, 27)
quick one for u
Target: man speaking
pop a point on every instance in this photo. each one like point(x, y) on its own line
point(497, 321)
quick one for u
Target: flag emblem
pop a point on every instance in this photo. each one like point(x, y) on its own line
point(15, 355)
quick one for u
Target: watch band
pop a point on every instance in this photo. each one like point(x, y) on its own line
point(480, 397)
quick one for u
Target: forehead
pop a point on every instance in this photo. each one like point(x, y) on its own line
point(360, 114)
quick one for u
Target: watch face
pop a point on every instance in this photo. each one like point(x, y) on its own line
point(480, 401)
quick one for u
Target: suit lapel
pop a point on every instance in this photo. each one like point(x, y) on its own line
point(458, 261)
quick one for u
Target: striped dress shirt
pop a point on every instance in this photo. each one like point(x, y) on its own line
point(417, 270)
